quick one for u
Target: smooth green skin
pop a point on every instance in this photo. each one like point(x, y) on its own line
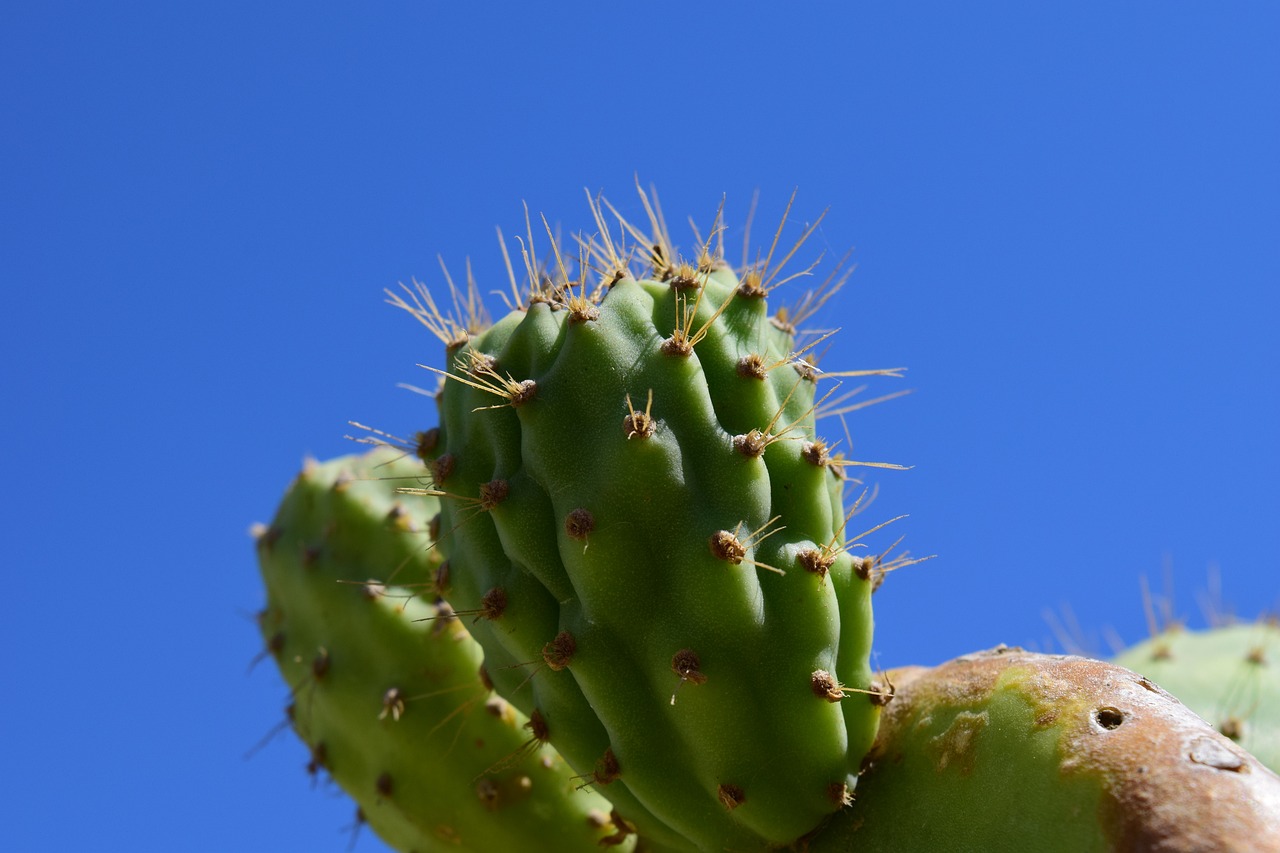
point(447, 748)
point(1226, 675)
point(998, 792)
point(645, 584)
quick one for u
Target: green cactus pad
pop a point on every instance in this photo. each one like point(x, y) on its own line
point(649, 534)
point(1228, 675)
point(385, 685)
point(1011, 751)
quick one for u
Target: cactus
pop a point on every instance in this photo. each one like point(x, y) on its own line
point(1007, 750)
point(649, 536)
point(627, 503)
point(1229, 675)
point(386, 686)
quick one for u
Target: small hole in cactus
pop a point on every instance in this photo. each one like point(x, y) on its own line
point(1109, 718)
point(731, 796)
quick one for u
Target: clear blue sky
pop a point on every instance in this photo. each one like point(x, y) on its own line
point(1067, 224)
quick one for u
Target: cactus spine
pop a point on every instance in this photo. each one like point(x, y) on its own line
point(639, 511)
point(385, 685)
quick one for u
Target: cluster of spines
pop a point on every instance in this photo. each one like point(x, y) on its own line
point(604, 262)
point(380, 673)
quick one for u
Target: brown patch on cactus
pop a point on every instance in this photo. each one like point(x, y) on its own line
point(623, 828)
point(750, 286)
point(320, 664)
point(839, 795)
point(956, 746)
point(393, 704)
point(425, 443)
point(275, 645)
point(319, 760)
point(310, 555)
point(398, 518)
point(751, 366)
point(492, 605)
point(579, 523)
point(731, 796)
point(751, 444)
point(825, 686)
point(442, 467)
point(606, 771)
point(882, 690)
point(684, 277)
point(686, 664)
point(639, 424)
point(487, 793)
point(1165, 779)
point(815, 453)
point(485, 679)
point(1257, 656)
point(441, 580)
point(559, 653)
point(433, 528)
point(493, 493)
point(1232, 727)
point(726, 545)
point(384, 785)
point(816, 561)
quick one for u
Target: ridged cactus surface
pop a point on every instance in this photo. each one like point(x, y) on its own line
point(1229, 675)
point(647, 535)
point(386, 688)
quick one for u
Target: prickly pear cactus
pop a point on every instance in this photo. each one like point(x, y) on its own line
point(386, 686)
point(648, 537)
point(1228, 675)
point(1010, 751)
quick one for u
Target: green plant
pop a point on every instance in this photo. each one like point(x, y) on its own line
point(386, 686)
point(649, 544)
point(1230, 675)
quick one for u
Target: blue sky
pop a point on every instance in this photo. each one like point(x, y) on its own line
point(1066, 220)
